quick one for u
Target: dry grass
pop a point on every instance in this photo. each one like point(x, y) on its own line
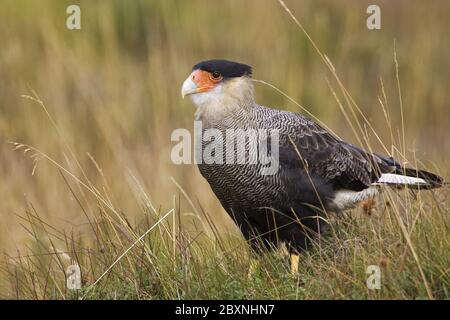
point(103, 176)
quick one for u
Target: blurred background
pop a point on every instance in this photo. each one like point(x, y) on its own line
point(113, 88)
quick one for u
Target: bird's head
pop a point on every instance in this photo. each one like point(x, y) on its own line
point(219, 82)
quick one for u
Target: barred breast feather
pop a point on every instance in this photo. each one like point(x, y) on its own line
point(318, 172)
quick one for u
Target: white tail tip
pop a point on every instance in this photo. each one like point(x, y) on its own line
point(391, 178)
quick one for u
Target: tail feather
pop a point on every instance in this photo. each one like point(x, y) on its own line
point(413, 178)
point(432, 180)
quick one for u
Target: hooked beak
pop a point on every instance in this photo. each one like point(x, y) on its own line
point(198, 81)
point(189, 87)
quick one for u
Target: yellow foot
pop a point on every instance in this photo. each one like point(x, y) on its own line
point(252, 268)
point(294, 263)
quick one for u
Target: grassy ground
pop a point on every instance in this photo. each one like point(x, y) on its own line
point(91, 175)
point(170, 256)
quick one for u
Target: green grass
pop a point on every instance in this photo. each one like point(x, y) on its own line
point(100, 176)
point(178, 260)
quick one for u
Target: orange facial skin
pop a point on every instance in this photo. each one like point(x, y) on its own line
point(204, 80)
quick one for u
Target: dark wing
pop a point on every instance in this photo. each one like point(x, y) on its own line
point(304, 143)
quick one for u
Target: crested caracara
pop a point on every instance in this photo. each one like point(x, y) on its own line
point(317, 171)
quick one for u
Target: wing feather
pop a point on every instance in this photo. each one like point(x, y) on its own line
point(306, 143)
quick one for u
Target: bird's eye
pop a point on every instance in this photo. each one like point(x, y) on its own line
point(216, 75)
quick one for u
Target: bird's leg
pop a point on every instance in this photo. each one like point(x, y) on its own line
point(253, 267)
point(294, 263)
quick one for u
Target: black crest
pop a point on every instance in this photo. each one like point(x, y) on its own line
point(228, 69)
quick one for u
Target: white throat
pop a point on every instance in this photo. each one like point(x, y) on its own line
point(226, 97)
